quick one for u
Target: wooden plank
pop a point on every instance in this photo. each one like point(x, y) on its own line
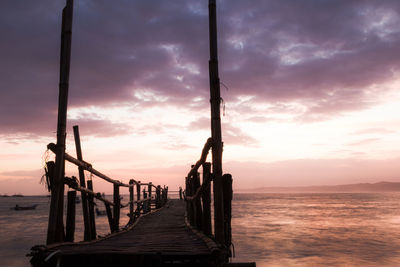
point(160, 235)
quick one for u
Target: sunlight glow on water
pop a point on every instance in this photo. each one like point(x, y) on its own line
point(317, 229)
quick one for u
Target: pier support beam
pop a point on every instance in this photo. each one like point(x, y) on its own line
point(70, 227)
point(85, 210)
point(206, 199)
point(215, 100)
point(92, 218)
point(55, 230)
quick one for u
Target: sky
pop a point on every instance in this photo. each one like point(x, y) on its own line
point(309, 88)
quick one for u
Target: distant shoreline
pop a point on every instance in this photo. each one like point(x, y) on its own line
point(379, 187)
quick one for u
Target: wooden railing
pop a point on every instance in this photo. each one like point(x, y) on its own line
point(143, 204)
point(197, 195)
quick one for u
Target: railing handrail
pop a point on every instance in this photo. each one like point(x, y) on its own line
point(158, 197)
point(203, 157)
point(73, 183)
point(88, 167)
point(200, 190)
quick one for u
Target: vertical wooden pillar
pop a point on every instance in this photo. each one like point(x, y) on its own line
point(228, 194)
point(55, 229)
point(197, 202)
point(85, 211)
point(70, 227)
point(138, 190)
point(145, 208)
point(110, 217)
point(138, 205)
point(149, 189)
point(92, 218)
point(117, 201)
point(206, 197)
point(162, 196)
point(215, 99)
point(192, 212)
point(158, 197)
point(50, 165)
point(187, 194)
point(131, 197)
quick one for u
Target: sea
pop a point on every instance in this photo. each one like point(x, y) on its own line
point(290, 229)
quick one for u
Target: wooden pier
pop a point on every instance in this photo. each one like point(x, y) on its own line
point(160, 231)
point(159, 238)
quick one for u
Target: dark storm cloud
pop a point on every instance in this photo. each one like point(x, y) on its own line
point(325, 54)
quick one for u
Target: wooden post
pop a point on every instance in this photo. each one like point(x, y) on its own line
point(85, 211)
point(109, 217)
point(70, 227)
point(187, 194)
point(117, 201)
point(216, 125)
point(131, 196)
point(138, 190)
point(92, 218)
point(145, 208)
point(228, 194)
point(192, 212)
point(55, 230)
point(149, 189)
point(197, 203)
point(138, 205)
point(206, 197)
point(158, 197)
point(50, 165)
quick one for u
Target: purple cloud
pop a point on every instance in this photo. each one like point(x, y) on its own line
point(324, 54)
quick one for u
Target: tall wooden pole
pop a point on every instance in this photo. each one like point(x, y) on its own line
point(85, 210)
point(216, 125)
point(55, 230)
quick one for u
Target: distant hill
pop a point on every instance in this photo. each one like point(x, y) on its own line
point(346, 188)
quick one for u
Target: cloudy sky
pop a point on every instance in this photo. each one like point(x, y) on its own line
point(310, 89)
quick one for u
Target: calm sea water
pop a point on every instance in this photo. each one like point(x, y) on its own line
point(271, 229)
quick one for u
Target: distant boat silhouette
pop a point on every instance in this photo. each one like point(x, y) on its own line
point(100, 212)
point(18, 207)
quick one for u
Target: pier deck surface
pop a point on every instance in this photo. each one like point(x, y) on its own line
point(160, 238)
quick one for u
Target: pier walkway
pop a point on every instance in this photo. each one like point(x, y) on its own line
point(159, 238)
point(160, 231)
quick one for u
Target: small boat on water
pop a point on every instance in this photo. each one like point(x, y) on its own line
point(100, 212)
point(18, 207)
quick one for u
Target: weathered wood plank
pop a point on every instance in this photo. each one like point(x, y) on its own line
point(161, 233)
